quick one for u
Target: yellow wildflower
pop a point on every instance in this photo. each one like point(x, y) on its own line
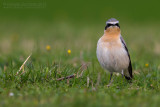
point(146, 65)
point(48, 47)
point(69, 51)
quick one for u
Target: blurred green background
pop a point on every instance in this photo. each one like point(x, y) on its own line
point(80, 11)
point(27, 25)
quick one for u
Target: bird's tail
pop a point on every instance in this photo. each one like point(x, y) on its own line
point(128, 75)
point(128, 78)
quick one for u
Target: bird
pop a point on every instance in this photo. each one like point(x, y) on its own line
point(112, 52)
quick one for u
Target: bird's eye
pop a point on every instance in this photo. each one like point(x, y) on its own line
point(117, 25)
point(108, 25)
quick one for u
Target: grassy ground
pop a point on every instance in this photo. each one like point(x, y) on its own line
point(38, 86)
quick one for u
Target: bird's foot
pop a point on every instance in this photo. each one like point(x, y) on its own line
point(109, 84)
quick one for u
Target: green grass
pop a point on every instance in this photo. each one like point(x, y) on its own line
point(38, 85)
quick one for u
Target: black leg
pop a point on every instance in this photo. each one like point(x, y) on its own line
point(111, 77)
point(122, 75)
point(110, 81)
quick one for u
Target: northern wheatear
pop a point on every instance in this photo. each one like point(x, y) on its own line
point(112, 52)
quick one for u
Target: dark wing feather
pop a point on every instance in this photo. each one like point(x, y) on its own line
point(130, 64)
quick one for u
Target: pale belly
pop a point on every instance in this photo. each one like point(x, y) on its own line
point(113, 58)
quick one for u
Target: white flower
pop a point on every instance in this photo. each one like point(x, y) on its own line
point(11, 94)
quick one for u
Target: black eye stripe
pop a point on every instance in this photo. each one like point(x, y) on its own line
point(108, 25)
point(117, 25)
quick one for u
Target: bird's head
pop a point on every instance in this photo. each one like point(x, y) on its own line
point(112, 26)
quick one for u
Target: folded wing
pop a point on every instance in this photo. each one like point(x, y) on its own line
point(130, 64)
